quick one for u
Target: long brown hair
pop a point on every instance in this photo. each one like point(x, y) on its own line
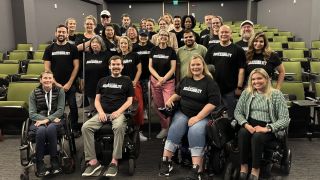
point(266, 51)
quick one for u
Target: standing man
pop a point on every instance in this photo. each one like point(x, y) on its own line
point(177, 25)
point(246, 32)
point(229, 61)
point(206, 31)
point(187, 51)
point(71, 23)
point(105, 20)
point(114, 95)
point(126, 22)
point(62, 58)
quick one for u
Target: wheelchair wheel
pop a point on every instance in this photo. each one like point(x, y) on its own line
point(137, 145)
point(131, 166)
point(231, 172)
point(68, 165)
point(25, 154)
point(24, 176)
point(286, 162)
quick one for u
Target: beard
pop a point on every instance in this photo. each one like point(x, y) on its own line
point(61, 39)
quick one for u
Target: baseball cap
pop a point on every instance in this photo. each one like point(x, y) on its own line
point(105, 12)
point(246, 22)
point(143, 33)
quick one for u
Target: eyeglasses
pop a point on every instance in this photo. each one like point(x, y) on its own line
point(105, 16)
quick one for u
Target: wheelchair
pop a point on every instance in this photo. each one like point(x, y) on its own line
point(104, 144)
point(276, 154)
point(66, 148)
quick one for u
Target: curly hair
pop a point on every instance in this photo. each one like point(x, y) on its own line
point(193, 21)
point(266, 51)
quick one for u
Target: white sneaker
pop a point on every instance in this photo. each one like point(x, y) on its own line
point(145, 114)
point(142, 137)
point(163, 133)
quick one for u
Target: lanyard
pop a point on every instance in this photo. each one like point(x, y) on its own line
point(49, 100)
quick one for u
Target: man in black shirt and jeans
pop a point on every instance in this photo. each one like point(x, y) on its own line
point(114, 95)
point(229, 61)
point(62, 59)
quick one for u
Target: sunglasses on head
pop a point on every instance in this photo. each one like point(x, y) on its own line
point(105, 16)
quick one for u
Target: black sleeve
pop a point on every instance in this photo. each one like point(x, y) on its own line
point(197, 37)
point(214, 96)
point(117, 30)
point(275, 59)
point(98, 89)
point(206, 41)
point(75, 52)
point(130, 92)
point(47, 53)
point(241, 57)
point(208, 56)
point(179, 85)
point(79, 39)
point(173, 54)
point(137, 59)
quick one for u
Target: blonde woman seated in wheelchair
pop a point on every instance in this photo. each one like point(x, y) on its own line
point(199, 95)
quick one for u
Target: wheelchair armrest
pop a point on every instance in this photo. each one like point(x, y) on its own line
point(218, 112)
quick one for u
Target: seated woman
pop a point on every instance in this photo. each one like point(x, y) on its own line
point(46, 107)
point(198, 94)
point(261, 111)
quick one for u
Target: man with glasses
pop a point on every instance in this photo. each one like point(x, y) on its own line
point(246, 32)
point(106, 19)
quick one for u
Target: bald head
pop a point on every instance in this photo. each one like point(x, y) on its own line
point(225, 35)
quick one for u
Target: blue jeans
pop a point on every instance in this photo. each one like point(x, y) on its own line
point(230, 101)
point(196, 134)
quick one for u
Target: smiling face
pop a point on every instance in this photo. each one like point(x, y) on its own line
point(89, 25)
point(215, 24)
point(124, 45)
point(95, 45)
point(188, 23)
point(61, 34)
point(247, 31)
point(163, 24)
point(189, 39)
point(109, 32)
point(47, 81)
point(208, 20)
point(132, 33)
point(258, 44)
point(259, 82)
point(224, 34)
point(116, 67)
point(149, 26)
point(196, 67)
point(177, 22)
point(163, 36)
point(72, 25)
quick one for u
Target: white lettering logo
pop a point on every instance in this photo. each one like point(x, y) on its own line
point(222, 54)
point(143, 52)
point(65, 53)
point(192, 89)
point(112, 85)
point(126, 61)
point(257, 62)
point(160, 56)
point(94, 61)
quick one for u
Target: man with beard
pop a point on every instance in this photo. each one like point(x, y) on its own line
point(177, 25)
point(229, 61)
point(106, 19)
point(187, 51)
point(206, 31)
point(246, 32)
point(126, 23)
point(114, 96)
point(62, 59)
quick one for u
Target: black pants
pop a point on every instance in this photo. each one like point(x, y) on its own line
point(253, 143)
point(71, 99)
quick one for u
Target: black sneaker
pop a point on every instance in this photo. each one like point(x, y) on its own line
point(41, 169)
point(55, 165)
point(194, 174)
point(165, 167)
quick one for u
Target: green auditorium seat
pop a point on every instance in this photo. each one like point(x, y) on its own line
point(283, 39)
point(315, 44)
point(33, 72)
point(315, 54)
point(297, 45)
point(8, 69)
point(293, 88)
point(236, 39)
point(18, 55)
point(294, 55)
point(42, 47)
point(14, 110)
point(276, 46)
point(293, 71)
point(38, 55)
point(24, 47)
point(269, 35)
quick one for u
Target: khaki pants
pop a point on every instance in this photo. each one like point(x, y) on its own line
point(92, 125)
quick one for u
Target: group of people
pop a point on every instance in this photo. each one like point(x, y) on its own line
point(120, 61)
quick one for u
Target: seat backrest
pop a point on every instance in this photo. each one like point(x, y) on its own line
point(315, 44)
point(35, 68)
point(283, 39)
point(294, 68)
point(296, 45)
point(236, 39)
point(275, 30)
point(275, 46)
point(315, 67)
point(9, 69)
point(24, 47)
point(317, 87)
point(42, 47)
point(285, 33)
point(293, 88)
point(18, 55)
point(38, 55)
point(20, 91)
point(1, 56)
point(293, 53)
point(315, 53)
point(269, 34)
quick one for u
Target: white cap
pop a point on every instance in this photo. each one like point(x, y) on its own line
point(105, 12)
point(246, 22)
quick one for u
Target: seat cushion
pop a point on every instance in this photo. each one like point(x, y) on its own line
point(14, 104)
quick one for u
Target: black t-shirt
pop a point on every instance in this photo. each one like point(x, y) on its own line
point(180, 38)
point(258, 61)
point(161, 60)
point(175, 32)
point(114, 92)
point(150, 34)
point(99, 29)
point(195, 94)
point(111, 46)
point(72, 39)
point(96, 67)
point(130, 62)
point(243, 44)
point(227, 61)
point(203, 34)
point(144, 53)
point(211, 40)
point(61, 58)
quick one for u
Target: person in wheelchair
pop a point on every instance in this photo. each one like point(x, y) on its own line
point(114, 95)
point(46, 107)
point(198, 94)
point(261, 112)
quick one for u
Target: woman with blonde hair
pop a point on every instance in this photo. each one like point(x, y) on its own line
point(259, 55)
point(90, 23)
point(172, 42)
point(168, 18)
point(198, 95)
point(162, 65)
point(261, 112)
